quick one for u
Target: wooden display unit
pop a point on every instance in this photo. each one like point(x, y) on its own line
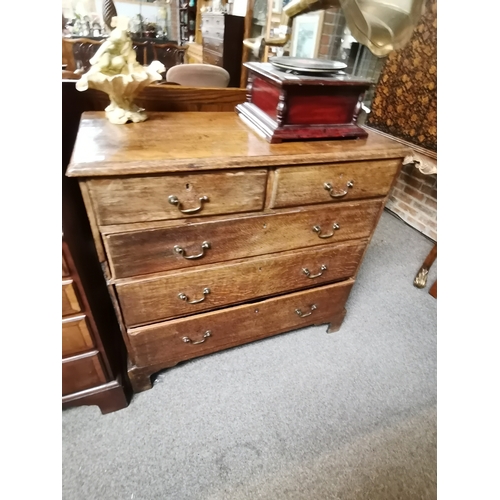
point(283, 107)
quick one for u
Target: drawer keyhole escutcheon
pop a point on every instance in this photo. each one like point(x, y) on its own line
point(312, 276)
point(329, 188)
point(303, 315)
point(204, 246)
point(207, 334)
point(184, 297)
point(317, 229)
point(173, 200)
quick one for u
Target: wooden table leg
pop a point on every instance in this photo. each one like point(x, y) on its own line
point(421, 277)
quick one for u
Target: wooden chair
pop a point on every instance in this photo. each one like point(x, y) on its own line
point(199, 75)
point(169, 55)
point(77, 53)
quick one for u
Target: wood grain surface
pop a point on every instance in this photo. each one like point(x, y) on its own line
point(233, 326)
point(155, 299)
point(172, 142)
point(305, 185)
point(135, 253)
point(76, 337)
point(82, 372)
point(138, 199)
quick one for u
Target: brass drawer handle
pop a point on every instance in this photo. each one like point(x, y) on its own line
point(312, 276)
point(173, 200)
point(207, 334)
point(317, 229)
point(204, 246)
point(329, 188)
point(184, 297)
point(302, 315)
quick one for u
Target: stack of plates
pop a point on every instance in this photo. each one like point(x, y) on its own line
point(306, 65)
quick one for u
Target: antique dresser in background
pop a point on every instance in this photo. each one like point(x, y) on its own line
point(210, 237)
point(223, 43)
point(94, 357)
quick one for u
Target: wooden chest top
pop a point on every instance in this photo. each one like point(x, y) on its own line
point(195, 141)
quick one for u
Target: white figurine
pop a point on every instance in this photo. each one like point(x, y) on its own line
point(116, 71)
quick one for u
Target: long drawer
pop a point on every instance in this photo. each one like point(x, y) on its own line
point(82, 372)
point(187, 338)
point(306, 185)
point(214, 44)
point(135, 253)
point(214, 58)
point(144, 199)
point(191, 291)
point(76, 337)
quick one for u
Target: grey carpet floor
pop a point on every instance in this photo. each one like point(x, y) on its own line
point(304, 415)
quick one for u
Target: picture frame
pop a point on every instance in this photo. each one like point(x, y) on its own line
point(277, 6)
point(306, 34)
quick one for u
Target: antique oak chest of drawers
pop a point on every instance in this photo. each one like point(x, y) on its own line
point(210, 237)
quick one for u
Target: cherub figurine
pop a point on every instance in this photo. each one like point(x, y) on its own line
point(116, 71)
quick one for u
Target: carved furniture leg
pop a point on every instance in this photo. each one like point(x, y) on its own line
point(434, 290)
point(336, 322)
point(421, 277)
point(140, 379)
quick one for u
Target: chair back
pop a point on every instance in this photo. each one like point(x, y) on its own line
point(77, 53)
point(198, 75)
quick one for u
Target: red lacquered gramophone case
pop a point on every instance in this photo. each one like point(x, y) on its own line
point(287, 106)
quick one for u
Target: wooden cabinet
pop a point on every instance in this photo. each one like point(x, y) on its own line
point(90, 376)
point(222, 36)
point(94, 359)
point(260, 240)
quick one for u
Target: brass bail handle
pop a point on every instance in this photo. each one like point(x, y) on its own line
point(303, 315)
point(317, 229)
point(180, 251)
point(312, 276)
point(173, 200)
point(329, 188)
point(184, 297)
point(207, 334)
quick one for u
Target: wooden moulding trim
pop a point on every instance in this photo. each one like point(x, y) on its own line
point(414, 147)
point(92, 390)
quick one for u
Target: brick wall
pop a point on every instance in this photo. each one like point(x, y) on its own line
point(414, 199)
point(333, 27)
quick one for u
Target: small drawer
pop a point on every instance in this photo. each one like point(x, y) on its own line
point(82, 372)
point(210, 57)
point(76, 337)
point(178, 340)
point(191, 291)
point(306, 185)
point(211, 20)
point(213, 44)
point(143, 199)
point(70, 304)
point(134, 253)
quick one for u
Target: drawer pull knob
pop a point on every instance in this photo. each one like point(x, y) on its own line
point(317, 229)
point(312, 276)
point(204, 246)
point(303, 315)
point(207, 334)
point(173, 200)
point(184, 297)
point(329, 188)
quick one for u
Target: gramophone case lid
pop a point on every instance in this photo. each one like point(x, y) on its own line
point(288, 77)
point(307, 64)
